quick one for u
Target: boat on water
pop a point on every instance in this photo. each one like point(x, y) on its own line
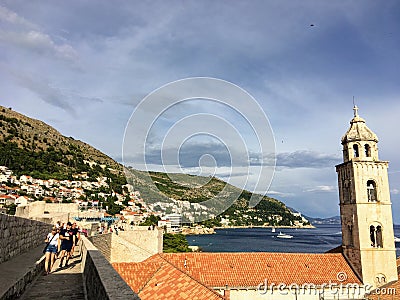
point(396, 239)
point(284, 235)
point(273, 229)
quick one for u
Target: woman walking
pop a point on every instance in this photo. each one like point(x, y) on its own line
point(53, 244)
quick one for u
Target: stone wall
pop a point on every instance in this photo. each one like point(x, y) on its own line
point(48, 212)
point(18, 235)
point(100, 279)
point(103, 243)
point(136, 245)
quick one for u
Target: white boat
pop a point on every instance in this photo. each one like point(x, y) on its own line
point(273, 229)
point(396, 239)
point(284, 235)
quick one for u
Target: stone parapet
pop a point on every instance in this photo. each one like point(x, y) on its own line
point(100, 279)
point(134, 245)
point(19, 272)
point(18, 235)
point(103, 243)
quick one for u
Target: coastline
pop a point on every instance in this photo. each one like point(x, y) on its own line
point(207, 230)
point(319, 240)
point(268, 226)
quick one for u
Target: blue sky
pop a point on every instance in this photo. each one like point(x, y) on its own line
point(83, 67)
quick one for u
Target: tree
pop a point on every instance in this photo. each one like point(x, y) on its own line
point(173, 243)
point(150, 221)
point(11, 208)
point(114, 209)
point(126, 200)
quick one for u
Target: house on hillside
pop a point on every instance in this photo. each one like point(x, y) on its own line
point(22, 200)
point(7, 199)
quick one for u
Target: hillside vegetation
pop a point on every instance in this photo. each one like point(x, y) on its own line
point(31, 147)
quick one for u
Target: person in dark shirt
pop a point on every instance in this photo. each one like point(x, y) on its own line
point(76, 237)
point(67, 239)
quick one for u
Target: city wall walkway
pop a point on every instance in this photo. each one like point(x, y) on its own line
point(88, 276)
point(61, 283)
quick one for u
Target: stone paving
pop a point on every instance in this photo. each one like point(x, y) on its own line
point(61, 283)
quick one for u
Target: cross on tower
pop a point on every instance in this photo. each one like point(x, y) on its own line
point(355, 108)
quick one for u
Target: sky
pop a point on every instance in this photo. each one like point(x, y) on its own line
point(87, 68)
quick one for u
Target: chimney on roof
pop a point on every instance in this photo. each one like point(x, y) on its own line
point(185, 264)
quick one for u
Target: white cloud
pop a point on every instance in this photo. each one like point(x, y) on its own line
point(322, 188)
point(11, 17)
point(279, 194)
point(26, 35)
point(38, 42)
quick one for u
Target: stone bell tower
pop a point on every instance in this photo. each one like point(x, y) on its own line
point(365, 207)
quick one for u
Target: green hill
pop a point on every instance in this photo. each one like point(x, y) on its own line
point(31, 147)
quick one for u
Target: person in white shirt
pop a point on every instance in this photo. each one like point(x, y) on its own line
point(53, 245)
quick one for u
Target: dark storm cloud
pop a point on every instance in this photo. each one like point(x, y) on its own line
point(306, 159)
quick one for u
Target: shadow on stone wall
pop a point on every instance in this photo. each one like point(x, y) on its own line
point(18, 235)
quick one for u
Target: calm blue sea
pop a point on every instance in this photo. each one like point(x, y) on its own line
point(316, 240)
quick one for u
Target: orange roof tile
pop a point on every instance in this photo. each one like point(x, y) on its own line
point(252, 269)
point(156, 278)
point(167, 275)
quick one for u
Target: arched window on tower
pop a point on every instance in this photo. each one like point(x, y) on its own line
point(355, 150)
point(372, 235)
point(379, 242)
point(367, 150)
point(375, 234)
point(371, 190)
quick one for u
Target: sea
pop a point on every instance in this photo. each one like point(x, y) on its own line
point(307, 240)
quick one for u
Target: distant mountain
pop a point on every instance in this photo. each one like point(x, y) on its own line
point(31, 147)
point(324, 221)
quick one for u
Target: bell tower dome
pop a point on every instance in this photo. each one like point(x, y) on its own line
point(365, 207)
point(359, 142)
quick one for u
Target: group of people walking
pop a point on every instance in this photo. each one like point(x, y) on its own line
point(60, 245)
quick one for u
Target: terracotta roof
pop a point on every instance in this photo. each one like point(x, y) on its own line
point(252, 269)
point(176, 275)
point(156, 278)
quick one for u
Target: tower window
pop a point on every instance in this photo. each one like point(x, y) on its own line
point(379, 243)
point(367, 149)
point(371, 190)
point(355, 150)
point(350, 237)
point(375, 234)
point(346, 191)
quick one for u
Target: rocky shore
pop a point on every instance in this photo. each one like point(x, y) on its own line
point(197, 230)
point(205, 230)
point(277, 227)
